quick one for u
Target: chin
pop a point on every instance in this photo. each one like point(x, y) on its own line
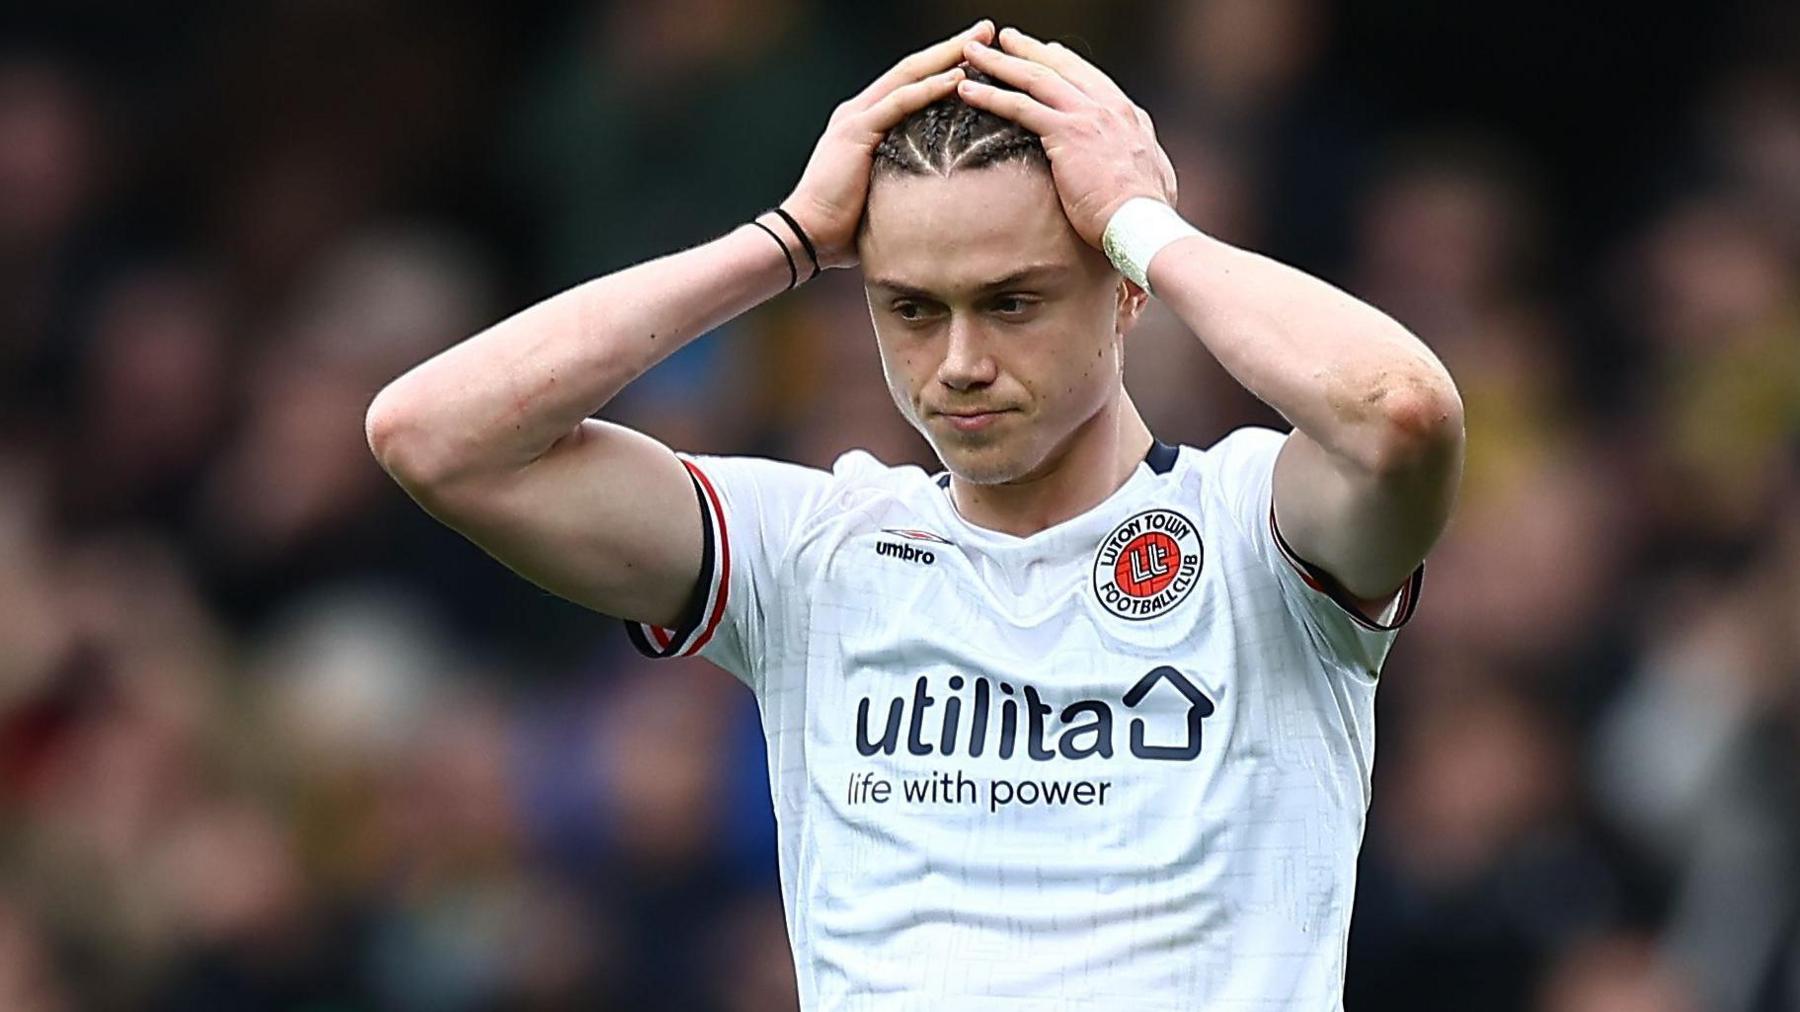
point(987, 464)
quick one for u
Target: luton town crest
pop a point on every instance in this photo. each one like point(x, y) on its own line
point(1147, 565)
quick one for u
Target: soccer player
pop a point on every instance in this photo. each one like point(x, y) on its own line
point(1084, 722)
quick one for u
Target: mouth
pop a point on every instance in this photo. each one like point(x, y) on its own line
point(973, 421)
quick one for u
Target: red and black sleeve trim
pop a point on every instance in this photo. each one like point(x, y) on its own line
point(1323, 582)
point(706, 609)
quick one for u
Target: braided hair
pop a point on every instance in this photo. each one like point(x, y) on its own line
point(950, 134)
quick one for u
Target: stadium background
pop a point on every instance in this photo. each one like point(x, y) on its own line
point(271, 739)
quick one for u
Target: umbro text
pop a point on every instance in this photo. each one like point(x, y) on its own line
point(905, 553)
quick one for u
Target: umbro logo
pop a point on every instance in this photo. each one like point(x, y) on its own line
point(905, 553)
point(916, 554)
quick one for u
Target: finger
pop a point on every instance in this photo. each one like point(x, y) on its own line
point(932, 59)
point(1065, 61)
point(1033, 78)
point(906, 100)
point(1017, 106)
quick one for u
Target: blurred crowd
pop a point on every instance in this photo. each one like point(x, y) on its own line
point(270, 738)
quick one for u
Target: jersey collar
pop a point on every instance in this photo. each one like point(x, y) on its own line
point(1161, 459)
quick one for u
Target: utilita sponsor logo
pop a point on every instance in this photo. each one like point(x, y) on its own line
point(1079, 730)
point(905, 553)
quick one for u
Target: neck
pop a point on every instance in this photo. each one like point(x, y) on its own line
point(1092, 463)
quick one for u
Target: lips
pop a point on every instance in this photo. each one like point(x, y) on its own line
point(969, 420)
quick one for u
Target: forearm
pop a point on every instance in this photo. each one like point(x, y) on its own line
point(1344, 373)
point(500, 400)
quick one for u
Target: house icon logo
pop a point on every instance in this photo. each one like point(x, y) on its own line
point(1199, 707)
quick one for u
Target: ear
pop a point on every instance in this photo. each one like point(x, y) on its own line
point(1131, 302)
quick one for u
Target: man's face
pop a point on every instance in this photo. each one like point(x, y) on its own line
point(1000, 330)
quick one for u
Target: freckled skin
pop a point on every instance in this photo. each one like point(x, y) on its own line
point(946, 236)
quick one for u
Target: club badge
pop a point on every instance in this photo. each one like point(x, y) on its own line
point(1147, 565)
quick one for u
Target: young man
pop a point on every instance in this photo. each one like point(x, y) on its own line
point(1086, 722)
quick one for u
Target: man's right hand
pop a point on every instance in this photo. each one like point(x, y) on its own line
point(828, 202)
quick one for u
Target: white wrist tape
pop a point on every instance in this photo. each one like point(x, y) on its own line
point(1137, 231)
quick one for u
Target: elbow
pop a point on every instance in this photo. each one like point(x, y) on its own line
point(401, 438)
point(1421, 429)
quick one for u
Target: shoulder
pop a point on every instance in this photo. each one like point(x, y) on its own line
point(864, 469)
point(1231, 481)
point(1242, 447)
point(1232, 465)
point(860, 480)
point(800, 492)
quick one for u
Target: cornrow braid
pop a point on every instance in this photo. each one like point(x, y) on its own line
point(950, 134)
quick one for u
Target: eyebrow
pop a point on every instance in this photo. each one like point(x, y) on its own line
point(1033, 272)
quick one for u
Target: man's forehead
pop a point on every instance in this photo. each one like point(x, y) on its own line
point(969, 230)
point(1040, 273)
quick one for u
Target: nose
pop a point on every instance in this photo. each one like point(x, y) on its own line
point(967, 363)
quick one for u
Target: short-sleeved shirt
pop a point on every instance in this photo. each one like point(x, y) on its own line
point(1121, 763)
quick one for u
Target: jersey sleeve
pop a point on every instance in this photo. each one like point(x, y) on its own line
point(750, 509)
point(1245, 461)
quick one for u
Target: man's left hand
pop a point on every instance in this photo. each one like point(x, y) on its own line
point(1102, 146)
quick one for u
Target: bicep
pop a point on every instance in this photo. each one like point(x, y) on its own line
point(1368, 531)
point(607, 518)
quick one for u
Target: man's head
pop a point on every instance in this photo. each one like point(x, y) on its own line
point(960, 203)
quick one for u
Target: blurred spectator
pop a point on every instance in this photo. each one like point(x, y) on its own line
point(651, 127)
point(1615, 975)
point(152, 397)
point(52, 152)
point(1478, 869)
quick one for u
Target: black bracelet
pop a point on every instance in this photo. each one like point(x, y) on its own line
point(793, 271)
point(811, 253)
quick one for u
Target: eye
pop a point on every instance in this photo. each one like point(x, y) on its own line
point(910, 311)
point(1013, 305)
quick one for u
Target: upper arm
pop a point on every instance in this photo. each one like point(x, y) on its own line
point(1369, 528)
point(607, 518)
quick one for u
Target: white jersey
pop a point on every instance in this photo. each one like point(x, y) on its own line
point(1122, 763)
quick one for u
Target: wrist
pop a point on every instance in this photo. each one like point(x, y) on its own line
point(771, 228)
point(800, 234)
point(1138, 230)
